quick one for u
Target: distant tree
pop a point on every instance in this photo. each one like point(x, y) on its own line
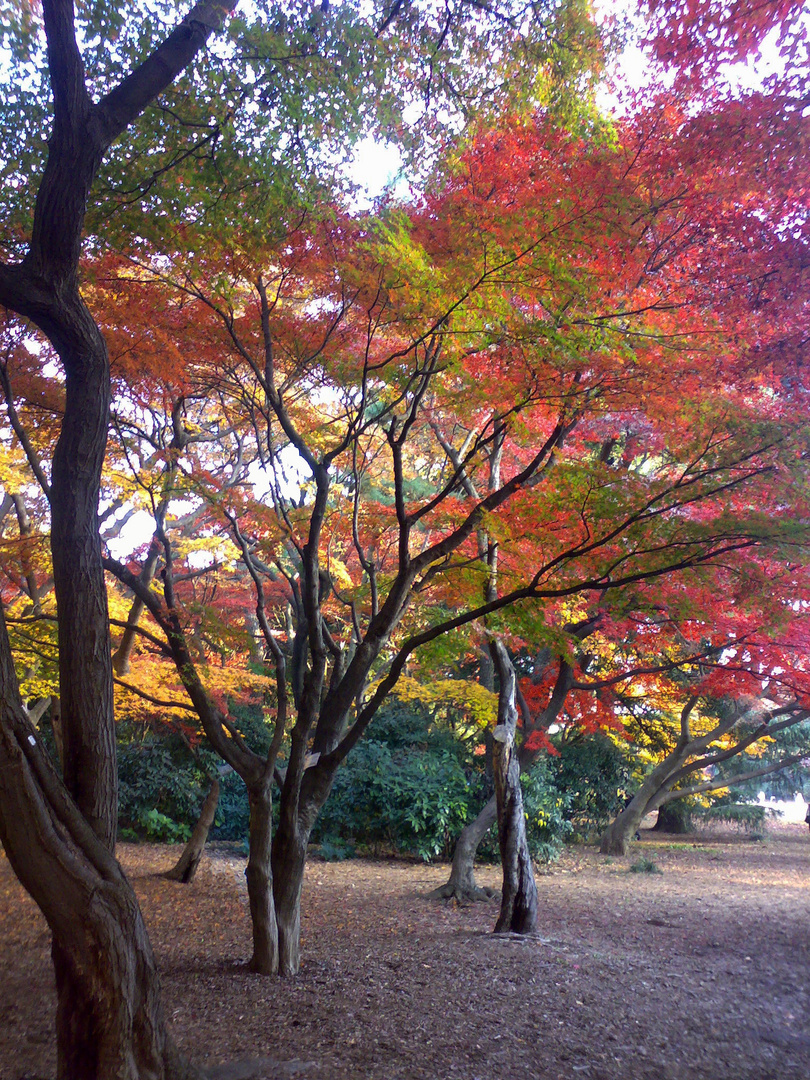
point(689, 767)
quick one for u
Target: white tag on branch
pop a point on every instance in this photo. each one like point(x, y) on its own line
point(32, 740)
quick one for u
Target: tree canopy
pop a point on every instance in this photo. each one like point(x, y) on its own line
point(550, 401)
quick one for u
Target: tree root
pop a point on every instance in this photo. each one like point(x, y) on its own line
point(462, 894)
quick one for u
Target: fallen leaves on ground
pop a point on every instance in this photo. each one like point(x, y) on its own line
point(696, 974)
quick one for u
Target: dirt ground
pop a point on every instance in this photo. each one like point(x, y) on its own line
point(697, 973)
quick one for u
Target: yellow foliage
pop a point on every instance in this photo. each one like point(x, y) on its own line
point(479, 704)
point(15, 474)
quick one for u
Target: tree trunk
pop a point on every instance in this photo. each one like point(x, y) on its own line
point(85, 665)
point(259, 873)
point(673, 817)
point(518, 913)
point(616, 837)
point(56, 728)
point(462, 885)
point(122, 655)
point(109, 1022)
point(188, 862)
point(289, 860)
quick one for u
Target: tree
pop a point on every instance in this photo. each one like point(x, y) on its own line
point(549, 693)
point(519, 896)
point(739, 726)
point(393, 358)
point(59, 838)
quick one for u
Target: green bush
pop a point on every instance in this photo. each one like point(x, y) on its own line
point(644, 866)
point(751, 817)
point(336, 851)
point(595, 774)
point(547, 810)
point(232, 821)
point(161, 789)
point(156, 826)
point(409, 788)
point(410, 801)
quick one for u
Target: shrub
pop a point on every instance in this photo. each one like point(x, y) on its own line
point(410, 801)
point(751, 817)
point(161, 789)
point(232, 821)
point(644, 866)
point(595, 774)
point(547, 811)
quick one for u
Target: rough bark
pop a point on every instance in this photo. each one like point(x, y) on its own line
point(187, 864)
point(289, 860)
point(616, 837)
point(461, 885)
point(518, 913)
point(109, 1021)
point(56, 728)
point(85, 669)
point(259, 873)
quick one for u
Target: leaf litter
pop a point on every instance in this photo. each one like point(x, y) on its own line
point(696, 974)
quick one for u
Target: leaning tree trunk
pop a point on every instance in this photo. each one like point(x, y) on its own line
point(616, 837)
point(187, 864)
point(462, 885)
point(109, 1021)
point(519, 896)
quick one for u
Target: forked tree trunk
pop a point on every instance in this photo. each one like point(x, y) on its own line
point(259, 874)
point(518, 913)
point(461, 885)
point(187, 864)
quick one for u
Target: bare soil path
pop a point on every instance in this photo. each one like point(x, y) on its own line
point(697, 973)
